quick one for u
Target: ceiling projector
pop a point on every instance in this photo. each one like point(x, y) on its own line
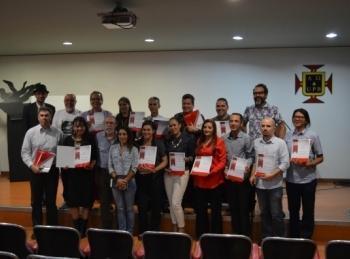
point(118, 20)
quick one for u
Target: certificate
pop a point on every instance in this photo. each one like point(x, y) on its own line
point(265, 164)
point(147, 156)
point(201, 165)
point(136, 120)
point(162, 128)
point(237, 169)
point(97, 121)
point(73, 157)
point(177, 163)
point(222, 128)
point(301, 150)
point(43, 159)
point(194, 118)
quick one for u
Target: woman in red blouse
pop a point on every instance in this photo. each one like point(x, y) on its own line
point(208, 189)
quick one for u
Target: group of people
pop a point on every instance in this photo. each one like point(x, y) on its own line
point(114, 169)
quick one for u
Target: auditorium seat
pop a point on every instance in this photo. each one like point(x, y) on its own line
point(338, 249)
point(13, 240)
point(35, 256)
point(218, 246)
point(7, 255)
point(57, 241)
point(288, 248)
point(169, 245)
point(106, 243)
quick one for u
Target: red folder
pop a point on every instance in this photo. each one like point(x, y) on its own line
point(41, 156)
point(191, 118)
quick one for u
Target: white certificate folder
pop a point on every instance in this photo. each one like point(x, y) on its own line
point(73, 157)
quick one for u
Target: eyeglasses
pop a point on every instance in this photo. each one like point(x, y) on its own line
point(299, 117)
point(258, 93)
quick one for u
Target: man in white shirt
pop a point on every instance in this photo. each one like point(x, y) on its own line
point(63, 118)
point(44, 138)
point(272, 159)
point(154, 106)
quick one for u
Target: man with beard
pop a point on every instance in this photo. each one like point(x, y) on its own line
point(30, 111)
point(63, 118)
point(255, 113)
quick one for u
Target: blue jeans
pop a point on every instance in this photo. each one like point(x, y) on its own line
point(272, 216)
point(125, 201)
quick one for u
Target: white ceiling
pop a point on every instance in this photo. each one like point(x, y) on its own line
point(40, 26)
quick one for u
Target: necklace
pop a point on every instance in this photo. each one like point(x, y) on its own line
point(175, 143)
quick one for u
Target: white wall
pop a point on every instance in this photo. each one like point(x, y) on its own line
point(207, 75)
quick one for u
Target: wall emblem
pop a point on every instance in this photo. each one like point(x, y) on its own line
point(313, 83)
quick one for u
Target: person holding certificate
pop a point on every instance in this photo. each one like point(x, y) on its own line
point(80, 178)
point(271, 161)
point(209, 187)
point(180, 149)
point(96, 116)
point(122, 164)
point(189, 117)
point(240, 156)
point(149, 178)
point(306, 153)
point(42, 139)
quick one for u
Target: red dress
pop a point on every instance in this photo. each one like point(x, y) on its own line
point(216, 175)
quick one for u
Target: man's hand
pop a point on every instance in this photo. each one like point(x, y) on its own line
point(35, 169)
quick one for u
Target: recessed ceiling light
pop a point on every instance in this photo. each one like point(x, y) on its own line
point(149, 40)
point(67, 43)
point(237, 37)
point(331, 35)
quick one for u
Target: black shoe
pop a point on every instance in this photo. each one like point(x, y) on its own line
point(64, 206)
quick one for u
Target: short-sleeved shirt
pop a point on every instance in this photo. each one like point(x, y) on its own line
point(254, 116)
point(63, 120)
point(301, 174)
point(276, 148)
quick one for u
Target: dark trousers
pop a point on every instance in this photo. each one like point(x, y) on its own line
point(102, 180)
point(44, 184)
point(272, 216)
point(213, 197)
point(149, 198)
point(238, 196)
point(301, 195)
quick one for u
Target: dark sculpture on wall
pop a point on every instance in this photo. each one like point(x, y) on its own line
point(17, 95)
point(12, 104)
